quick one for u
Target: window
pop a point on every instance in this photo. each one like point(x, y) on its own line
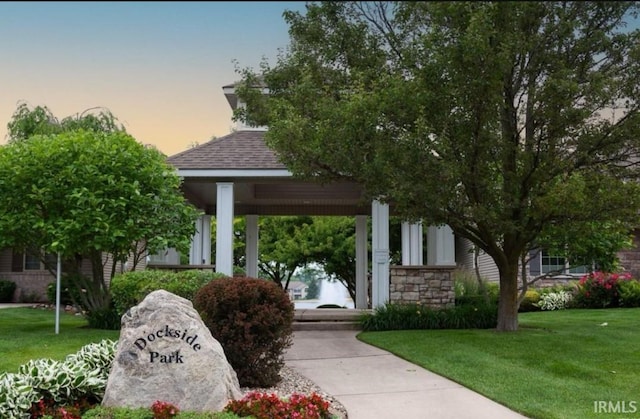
point(552, 263)
point(32, 262)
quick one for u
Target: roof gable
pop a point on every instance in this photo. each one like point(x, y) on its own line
point(238, 150)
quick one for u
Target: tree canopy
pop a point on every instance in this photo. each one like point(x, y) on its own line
point(91, 194)
point(27, 122)
point(499, 119)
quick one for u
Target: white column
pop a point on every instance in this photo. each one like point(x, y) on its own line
point(417, 245)
point(405, 235)
point(441, 248)
point(361, 262)
point(380, 250)
point(251, 234)
point(412, 246)
point(195, 253)
point(224, 228)
point(206, 240)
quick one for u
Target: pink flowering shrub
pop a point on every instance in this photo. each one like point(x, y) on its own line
point(163, 410)
point(266, 406)
point(600, 289)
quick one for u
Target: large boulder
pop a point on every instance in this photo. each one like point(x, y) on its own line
point(165, 352)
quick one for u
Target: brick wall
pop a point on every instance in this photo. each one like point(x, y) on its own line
point(630, 259)
point(431, 286)
point(31, 287)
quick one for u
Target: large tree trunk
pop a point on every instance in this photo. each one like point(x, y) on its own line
point(508, 304)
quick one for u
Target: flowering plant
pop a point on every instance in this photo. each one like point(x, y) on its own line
point(554, 300)
point(600, 289)
point(163, 410)
point(265, 406)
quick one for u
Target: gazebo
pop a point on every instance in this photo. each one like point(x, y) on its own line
point(238, 175)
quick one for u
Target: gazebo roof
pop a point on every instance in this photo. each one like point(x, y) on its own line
point(238, 150)
point(262, 184)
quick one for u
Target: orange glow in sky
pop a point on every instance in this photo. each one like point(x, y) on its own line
point(159, 67)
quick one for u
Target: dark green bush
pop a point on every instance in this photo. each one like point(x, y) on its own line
point(252, 319)
point(629, 293)
point(69, 294)
point(7, 288)
point(105, 319)
point(129, 289)
point(414, 316)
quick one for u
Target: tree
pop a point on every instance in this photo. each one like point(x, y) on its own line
point(93, 195)
point(27, 122)
point(310, 275)
point(496, 118)
point(280, 250)
point(331, 242)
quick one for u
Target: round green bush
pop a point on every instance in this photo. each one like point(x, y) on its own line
point(629, 293)
point(252, 319)
point(129, 288)
point(7, 288)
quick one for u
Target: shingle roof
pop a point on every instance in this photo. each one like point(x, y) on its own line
point(238, 150)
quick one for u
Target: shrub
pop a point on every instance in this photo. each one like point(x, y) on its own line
point(107, 318)
point(469, 292)
point(555, 300)
point(44, 385)
point(126, 288)
point(530, 301)
point(629, 293)
point(129, 289)
point(7, 288)
point(266, 406)
point(600, 289)
point(251, 318)
point(397, 316)
point(69, 293)
point(464, 282)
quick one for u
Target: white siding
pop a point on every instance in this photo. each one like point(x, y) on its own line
point(465, 259)
point(488, 268)
point(464, 254)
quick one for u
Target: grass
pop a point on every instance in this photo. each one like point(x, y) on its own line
point(27, 333)
point(556, 366)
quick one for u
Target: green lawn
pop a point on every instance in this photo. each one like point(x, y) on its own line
point(28, 333)
point(556, 366)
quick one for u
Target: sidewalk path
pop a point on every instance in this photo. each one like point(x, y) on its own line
point(374, 384)
point(16, 305)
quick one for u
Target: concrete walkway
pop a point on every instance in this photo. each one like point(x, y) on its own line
point(374, 384)
point(15, 305)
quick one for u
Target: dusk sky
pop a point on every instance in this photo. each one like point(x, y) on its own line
point(159, 67)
